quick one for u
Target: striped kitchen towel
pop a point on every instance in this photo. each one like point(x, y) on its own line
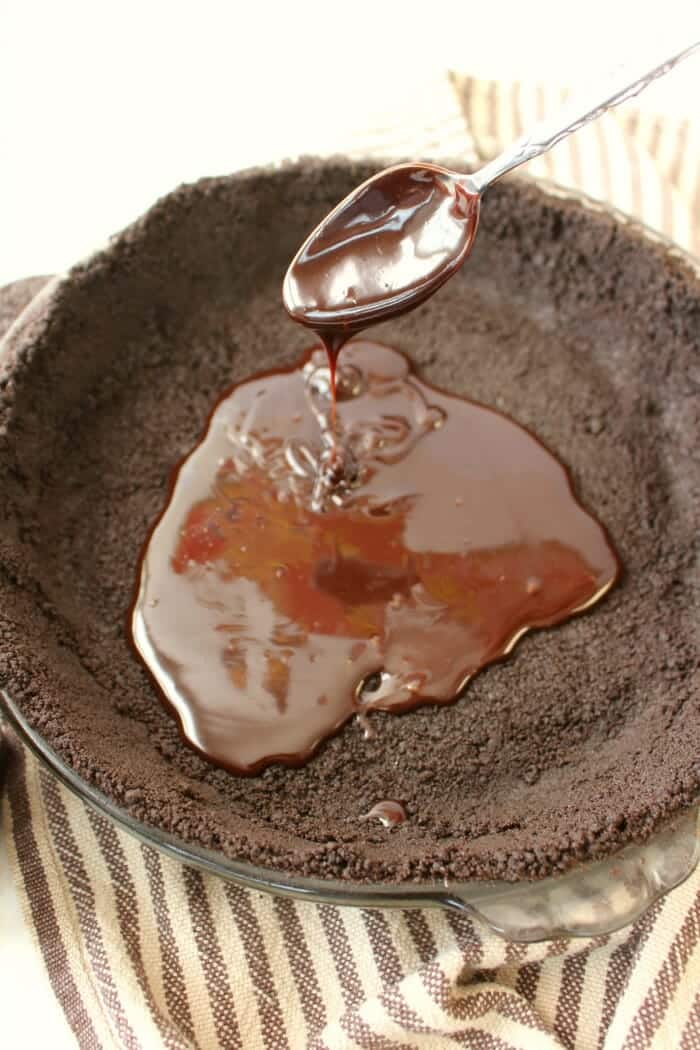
point(647, 164)
point(141, 952)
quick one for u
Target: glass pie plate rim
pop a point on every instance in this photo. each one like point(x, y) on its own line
point(593, 898)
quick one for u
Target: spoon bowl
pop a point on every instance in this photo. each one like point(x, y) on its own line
point(398, 237)
point(387, 247)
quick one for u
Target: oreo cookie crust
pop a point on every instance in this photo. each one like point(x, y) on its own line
point(574, 323)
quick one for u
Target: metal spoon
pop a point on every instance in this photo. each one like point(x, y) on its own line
point(396, 238)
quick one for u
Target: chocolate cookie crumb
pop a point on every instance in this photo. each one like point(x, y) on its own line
point(585, 739)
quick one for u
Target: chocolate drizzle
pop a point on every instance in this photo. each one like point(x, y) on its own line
point(272, 609)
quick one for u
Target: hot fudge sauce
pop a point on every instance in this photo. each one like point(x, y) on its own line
point(342, 542)
point(271, 610)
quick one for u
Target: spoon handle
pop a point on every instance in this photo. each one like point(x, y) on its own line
point(575, 114)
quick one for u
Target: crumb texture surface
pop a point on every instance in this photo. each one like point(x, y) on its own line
point(588, 737)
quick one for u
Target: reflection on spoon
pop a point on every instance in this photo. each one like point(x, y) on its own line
point(386, 248)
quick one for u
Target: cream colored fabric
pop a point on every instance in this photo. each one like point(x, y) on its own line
point(645, 164)
point(142, 952)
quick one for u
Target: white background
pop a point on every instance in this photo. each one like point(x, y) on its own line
point(103, 107)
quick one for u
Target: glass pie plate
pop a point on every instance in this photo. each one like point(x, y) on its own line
point(592, 898)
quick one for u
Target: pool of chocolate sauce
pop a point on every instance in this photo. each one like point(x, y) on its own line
point(269, 614)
